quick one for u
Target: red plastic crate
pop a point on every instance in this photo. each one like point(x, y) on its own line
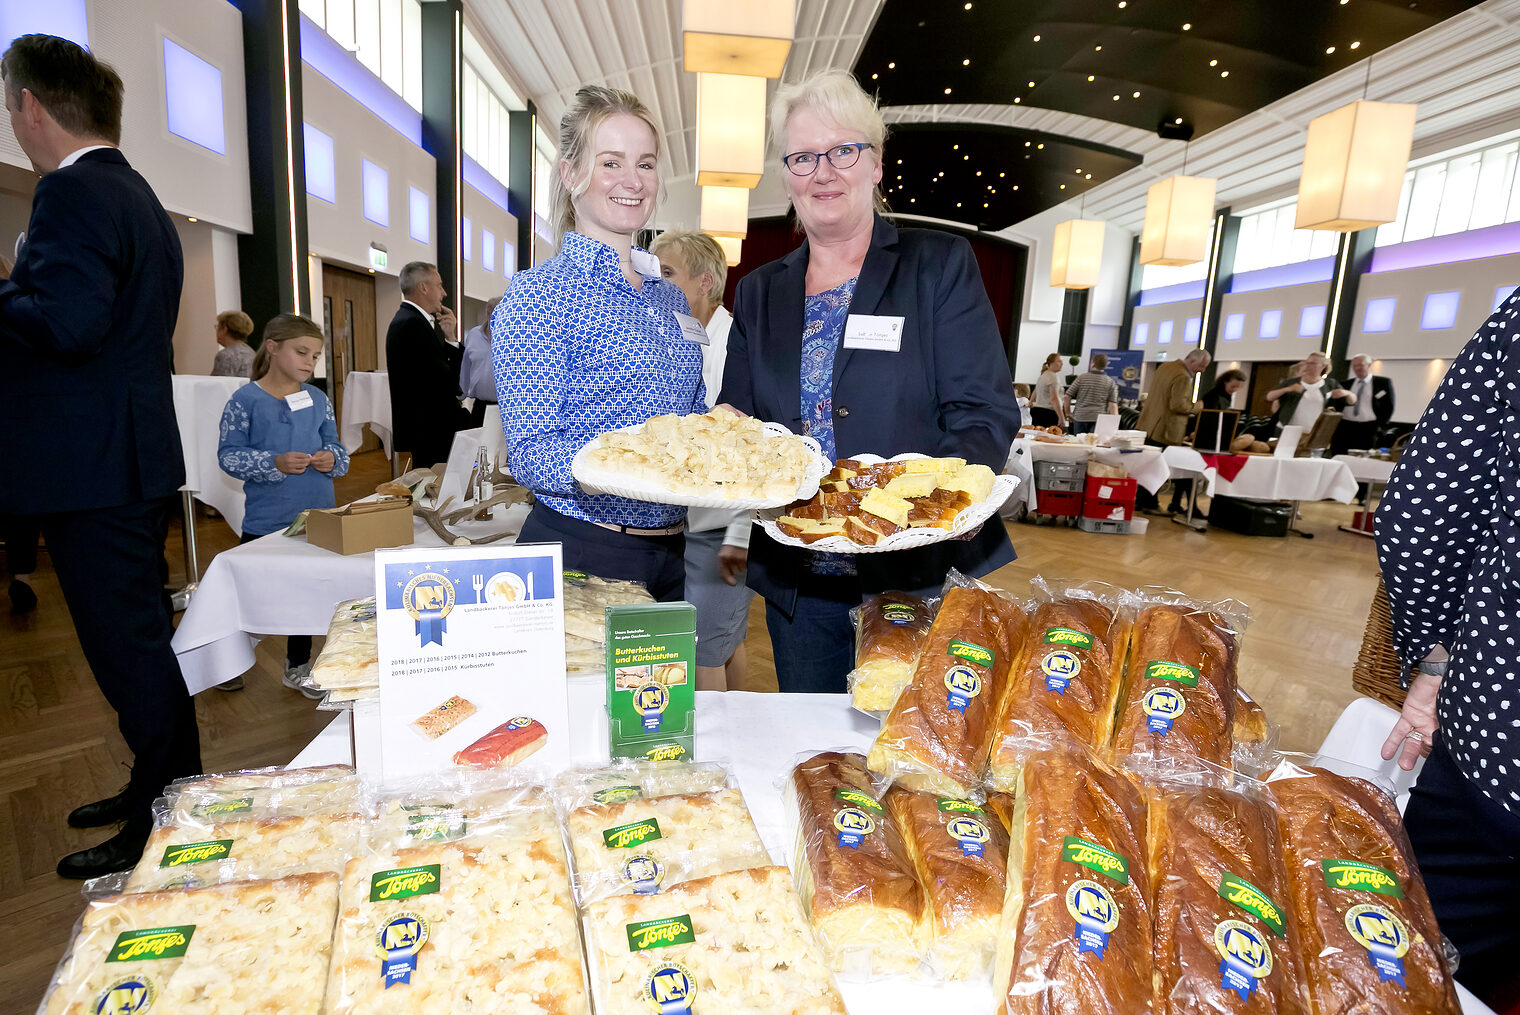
point(1108, 510)
point(1063, 503)
point(1100, 488)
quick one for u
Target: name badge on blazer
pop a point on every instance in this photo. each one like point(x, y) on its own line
point(865, 331)
point(691, 329)
point(300, 400)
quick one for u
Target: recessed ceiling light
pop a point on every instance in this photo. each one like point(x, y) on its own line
point(1063, 186)
point(968, 7)
point(1036, 38)
point(966, 62)
point(1015, 186)
point(947, 91)
point(1028, 143)
point(1122, 4)
point(899, 176)
point(899, 162)
point(1097, 49)
point(912, 200)
point(1329, 50)
point(979, 172)
point(1079, 172)
point(1001, 175)
point(965, 158)
point(958, 204)
point(1213, 63)
point(1356, 45)
point(1040, 145)
point(1135, 96)
point(1178, 120)
point(955, 147)
point(1031, 84)
point(1091, 78)
point(1116, 98)
point(875, 76)
point(1088, 176)
point(892, 65)
point(1224, 73)
point(1017, 100)
point(191, 218)
point(1187, 26)
point(984, 204)
point(942, 172)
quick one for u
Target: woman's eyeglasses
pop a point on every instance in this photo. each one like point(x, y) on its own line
point(841, 156)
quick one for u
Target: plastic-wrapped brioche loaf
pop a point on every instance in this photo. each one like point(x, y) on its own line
point(853, 872)
point(1370, 940)
point(889, 635)
point(961, 855)
point(1224, 940)
point(1180, 697)
point(1067, 685)
point(939, 732)
point(1076, 931)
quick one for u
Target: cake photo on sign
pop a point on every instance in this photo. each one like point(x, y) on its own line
point(505, 746)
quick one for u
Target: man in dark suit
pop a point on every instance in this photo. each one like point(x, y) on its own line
point(1364, 415)
point(422, 358)
point(91, 446)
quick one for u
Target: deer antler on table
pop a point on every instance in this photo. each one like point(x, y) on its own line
point(441, 517)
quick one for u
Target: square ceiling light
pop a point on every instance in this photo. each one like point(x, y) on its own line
point(730, 130)
point(751, 37)
point(1076, 254)
point(1354, 164)
point(725, 211)
point(731, 249)
point(1179, 215)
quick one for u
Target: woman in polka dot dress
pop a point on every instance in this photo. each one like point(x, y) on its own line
point(1448, 535)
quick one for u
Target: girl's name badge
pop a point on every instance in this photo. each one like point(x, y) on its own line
point(299, 400)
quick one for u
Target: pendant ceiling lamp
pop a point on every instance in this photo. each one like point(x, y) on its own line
point(1179, 216)
point(725, 211)
point(1354, 165)
point(731, 247)
point(1077, 254)
point(750, 37)
point(730, 130)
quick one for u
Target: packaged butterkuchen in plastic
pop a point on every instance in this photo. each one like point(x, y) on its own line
point(890, 630)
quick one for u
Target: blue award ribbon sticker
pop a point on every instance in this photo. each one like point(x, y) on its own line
point(963, 683)
point(128, 996)
point(644, 874)
point(1162, 705)
point(650, 701)
point(670, 988)
point(853, 824)
point(970, 833)
point(1245, 956)
point(429, 598)
point(1060, 668)
point(1384, 936)
point(1096, 913)
point(398, 943)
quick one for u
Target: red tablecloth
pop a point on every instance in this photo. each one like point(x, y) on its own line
point(1228, 466)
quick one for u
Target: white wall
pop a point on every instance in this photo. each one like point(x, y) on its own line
point(1289, 344)
point(1148, 338)
point(486, 215)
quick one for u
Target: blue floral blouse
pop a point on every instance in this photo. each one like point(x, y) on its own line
point(823, 318)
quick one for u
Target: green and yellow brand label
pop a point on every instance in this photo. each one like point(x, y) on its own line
point(441, 826)
point(673, 930)
point(630, 835)
point(1095, 857)
point(1355, 876)
point(856, 798)
point(617, 794)
point(1253, 900)
point(669, 752)
point(152, 943)
point(950, 805)
point(1066, 636)
point(576, 578)
point(1180, 672)
point(898, 613)
point(972, 653)
point(196, 852)
point(406, 882)
point(219, 808)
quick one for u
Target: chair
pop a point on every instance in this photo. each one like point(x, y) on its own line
point(1357, 739)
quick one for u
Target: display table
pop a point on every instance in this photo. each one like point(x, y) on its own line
point(198, 405)
point(1263, 477)
point(282, 585)
point(761, 735)
point(366, 399)
point(1375, 472)
point(1147, 466)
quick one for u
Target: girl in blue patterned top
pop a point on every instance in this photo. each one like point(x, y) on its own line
point(278, 436)
point(588, 341)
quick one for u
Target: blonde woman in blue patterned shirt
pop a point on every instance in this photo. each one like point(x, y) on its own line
point(588, 342)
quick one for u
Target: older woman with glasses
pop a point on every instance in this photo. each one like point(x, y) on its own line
point(872, 339)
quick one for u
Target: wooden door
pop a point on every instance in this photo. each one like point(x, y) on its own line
point(348, 318)
point(1264, 378)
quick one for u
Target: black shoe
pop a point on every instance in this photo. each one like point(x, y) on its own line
point(113, 810)
point(118, 853)
point(23, 599)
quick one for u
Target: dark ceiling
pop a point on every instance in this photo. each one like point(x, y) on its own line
point(1136, 62)
point(990, 176)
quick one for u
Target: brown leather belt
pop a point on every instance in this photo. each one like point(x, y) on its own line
point(669, 530)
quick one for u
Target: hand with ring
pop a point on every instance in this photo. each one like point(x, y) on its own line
point(1415, 730)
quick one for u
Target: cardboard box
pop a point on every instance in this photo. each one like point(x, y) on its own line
point(361, 526)
point(651, 680)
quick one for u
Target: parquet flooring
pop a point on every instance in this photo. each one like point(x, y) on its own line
point(59, 746)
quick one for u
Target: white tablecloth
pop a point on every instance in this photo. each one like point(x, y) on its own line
point(1366, 470)
point(1266, 477)
point(1147, 467)
point(761, 736)
point(366, 399)
point(281, 585)
point(198, 404)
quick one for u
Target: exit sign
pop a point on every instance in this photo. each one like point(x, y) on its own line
point(378, 257)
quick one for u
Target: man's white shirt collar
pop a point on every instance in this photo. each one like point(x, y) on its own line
point(424, 313)
point(73, 157)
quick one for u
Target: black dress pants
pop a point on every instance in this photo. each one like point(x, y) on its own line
point(657, 562)
point(20, 535)
point(111, 568)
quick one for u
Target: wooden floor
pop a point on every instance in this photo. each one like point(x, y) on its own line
point(59, 746)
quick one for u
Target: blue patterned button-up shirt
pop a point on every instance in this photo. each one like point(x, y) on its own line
point(577, 352)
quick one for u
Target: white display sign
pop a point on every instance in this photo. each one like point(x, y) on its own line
point(472, 659)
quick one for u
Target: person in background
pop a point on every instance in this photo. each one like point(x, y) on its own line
point(1221, 395)
point(278, 436)
point(235, 357)
point(1046, 409)
point(422, 360)
point(1367, 411)
point(590, 341)
point(1091, 395)
point(1447, 530)
point(1021, 395)
point(86, 330)
point(1302, 396)
point(1164, 418)
point(797, 356)
point(477, 381)
point(716, 540)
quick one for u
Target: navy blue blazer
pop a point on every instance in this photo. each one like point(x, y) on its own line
point(86, 345)
point(947, 391)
